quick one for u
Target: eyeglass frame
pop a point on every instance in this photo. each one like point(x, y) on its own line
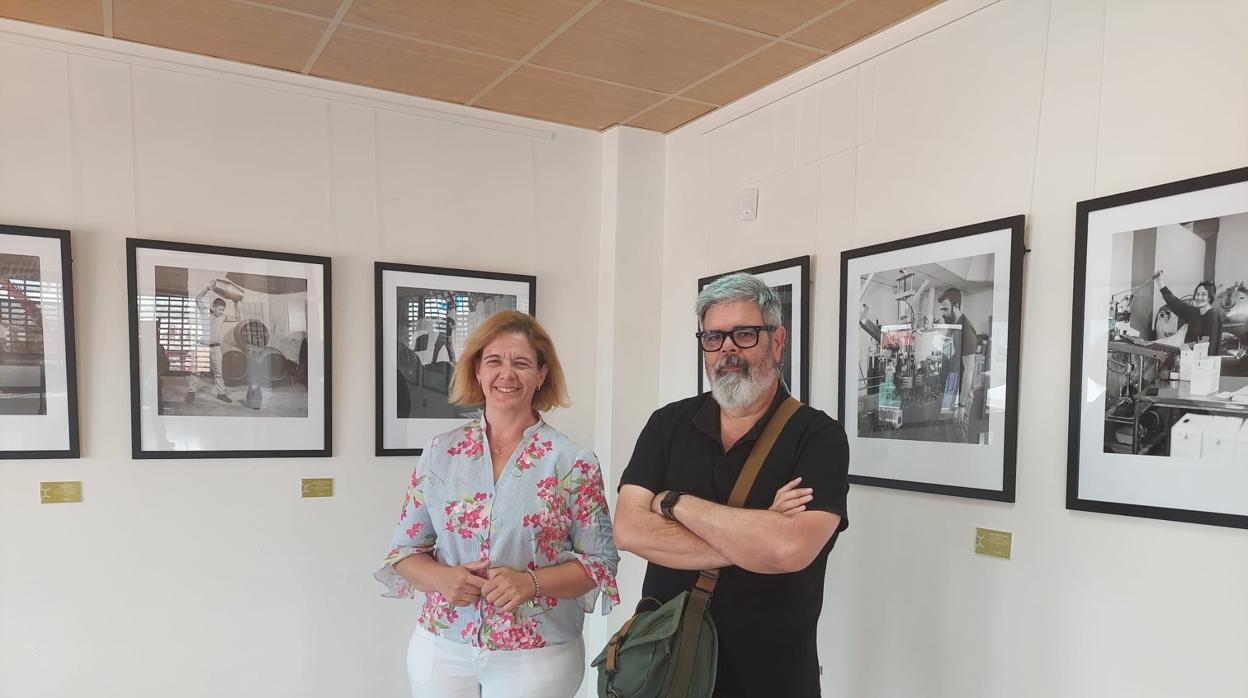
point(724, 336)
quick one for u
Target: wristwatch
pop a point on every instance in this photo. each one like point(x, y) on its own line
point(669, 501)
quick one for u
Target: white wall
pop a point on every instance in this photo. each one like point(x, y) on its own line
point(629, 290)
point(1181, 254)
point(1231, 264)
point(213, 578)
point(972, 111)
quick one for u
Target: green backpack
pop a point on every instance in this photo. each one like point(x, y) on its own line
point(671, 651)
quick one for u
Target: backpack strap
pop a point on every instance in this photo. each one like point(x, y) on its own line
point(762, 447)
point(700, 598)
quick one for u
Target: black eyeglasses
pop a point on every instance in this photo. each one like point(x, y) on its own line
point(744, 336)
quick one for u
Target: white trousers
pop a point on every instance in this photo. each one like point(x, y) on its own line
point(439, 668)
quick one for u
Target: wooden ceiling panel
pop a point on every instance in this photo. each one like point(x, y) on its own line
point(320, 8)
point(79, 15)
point(857, 21)
point(221, 28)
point(508, 28)
point(404, 65)
point(670, 114)
point(772, 64)
point(638, 45)
point(774, 17)
point(569, 99)
point(600, 63)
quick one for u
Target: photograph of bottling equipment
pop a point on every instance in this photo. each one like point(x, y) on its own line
point(1159, 375)
point(229, 352)
point(929, 367)
point(922, 361)
point(1169, 349)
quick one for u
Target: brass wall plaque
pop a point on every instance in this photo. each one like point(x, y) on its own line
point(994, 543)
point(60, 492)
point(318, 487)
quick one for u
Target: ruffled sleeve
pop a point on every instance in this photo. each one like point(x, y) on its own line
point(592, 542)
point(414, 534)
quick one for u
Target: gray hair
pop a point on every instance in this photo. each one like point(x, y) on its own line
point(740, 287)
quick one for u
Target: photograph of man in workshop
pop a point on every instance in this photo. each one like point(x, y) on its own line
point(925, 338)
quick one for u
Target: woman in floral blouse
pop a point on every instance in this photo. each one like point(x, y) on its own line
point(505, 529)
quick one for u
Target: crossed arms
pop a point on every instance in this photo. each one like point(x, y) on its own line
point(706, 535)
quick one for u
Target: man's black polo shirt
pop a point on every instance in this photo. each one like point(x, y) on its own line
point(766, 622)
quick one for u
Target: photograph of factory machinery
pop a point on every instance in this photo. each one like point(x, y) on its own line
point(925, 338)
point(1177, 362)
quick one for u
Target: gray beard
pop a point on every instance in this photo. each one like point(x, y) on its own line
point(734, 391)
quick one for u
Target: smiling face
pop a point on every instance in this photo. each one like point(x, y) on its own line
point(740, 376)
point(509, 373)
point(1200, 298)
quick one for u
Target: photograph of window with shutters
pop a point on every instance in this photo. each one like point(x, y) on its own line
point(423, 317)
point(433, 324)
point(22, 380)
point(230, 344)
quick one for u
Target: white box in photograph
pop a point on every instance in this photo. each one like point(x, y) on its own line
point(1187, 436)
point(1219, 440)
point(1206, 375)
point(1188, 356)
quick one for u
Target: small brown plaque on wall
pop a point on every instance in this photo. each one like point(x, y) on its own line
point(317, 487)
point(69, 492)
point(993, 543)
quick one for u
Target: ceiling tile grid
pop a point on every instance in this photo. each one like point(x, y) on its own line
point(652, 64)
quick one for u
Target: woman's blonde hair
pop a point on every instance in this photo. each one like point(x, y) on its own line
point(466, 391)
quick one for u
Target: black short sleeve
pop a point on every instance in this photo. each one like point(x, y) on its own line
point(823, 464)
point(647, 468)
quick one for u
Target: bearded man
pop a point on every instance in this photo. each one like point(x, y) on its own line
point(773, 551)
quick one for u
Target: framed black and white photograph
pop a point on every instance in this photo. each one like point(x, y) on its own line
point(1159, 353)
point(38, 383)
point(423, 317)
point(229, 352)
point(929, 360)
point(790, 279)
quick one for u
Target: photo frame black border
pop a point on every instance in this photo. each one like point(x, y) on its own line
point(1016, 225)
point(71, 363)
point(379, 268)
point(1082, 212)
point(133, 245)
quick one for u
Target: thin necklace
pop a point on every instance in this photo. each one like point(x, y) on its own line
point(498, 450)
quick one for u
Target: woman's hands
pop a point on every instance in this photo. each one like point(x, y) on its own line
point(791, 499)
point(462, 585)
point(506, 588)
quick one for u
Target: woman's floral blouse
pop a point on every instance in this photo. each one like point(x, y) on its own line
point(547, 508)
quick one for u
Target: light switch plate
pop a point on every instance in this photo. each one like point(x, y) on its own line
point(749, 204)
